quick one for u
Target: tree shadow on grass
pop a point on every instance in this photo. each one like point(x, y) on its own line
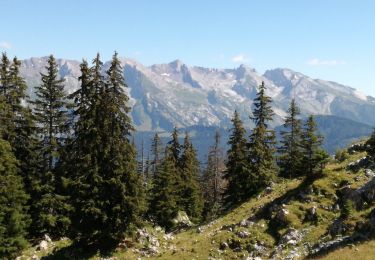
point(78, 251)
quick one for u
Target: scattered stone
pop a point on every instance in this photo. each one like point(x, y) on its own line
point(369, 173)
point(356, 148)
point(282, 215)
point(43, 245)
point(291, 237)
point(268, 190)
point(47, 238)
point(360, 196)
point(150, 251)
point(259, 249)
point(182, 220)
point(246, 223)
point(322, 247)
point(363, 162)
point(243, 234)
point(200, 229)
point(223, 245)
point(168, 236)
point(311, 214)
point(230, 228)
point(34, 257)
point(159, 229)
point(153, 241)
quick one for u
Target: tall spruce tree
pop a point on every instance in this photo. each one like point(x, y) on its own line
point(212, 181)
point(156, 153)
point(17, 123)
point(175, 146)
point(237, 166)
point(108, 198)
point(164, 196)
point(13, 211)
point(261, 144)
point(6, 113)
point(314, 156)
point(190, 191)
point(49, 210)
point(291, 156)
point(4, 74)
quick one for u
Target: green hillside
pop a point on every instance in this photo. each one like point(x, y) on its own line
point(290, 220)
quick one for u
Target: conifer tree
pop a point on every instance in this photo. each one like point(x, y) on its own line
point(164, 198)
point(290, 158)
point(108, 198)
point(314, 156)
point(13, 218)
point(4, 74)
point(156, 152)
point(261, 144)
point(6, 113)
point(175, 146)
point(49, 210)
point(212, 182)
point(237, 166)
point(17, 124)
point(190, 192)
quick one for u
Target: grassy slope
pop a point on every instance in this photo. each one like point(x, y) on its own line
point(192, 244)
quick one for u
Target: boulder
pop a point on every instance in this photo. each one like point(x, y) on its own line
point(43, 245)
point(311, 214)
point(282, 216)
point(47, 238)
point(182, 220)
point(363, 162)
point(268, 190)
point(200, 229)
point(291, 237)
point(369, 173)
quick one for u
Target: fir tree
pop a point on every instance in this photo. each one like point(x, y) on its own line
point(164, 197)
point(108, 197)
point(290, 158)
point(261, 144)
point(175, 146)
point(49, 210)
point(6, 113)
point(156, 152)
point(17, 124)
point(237, 166)
point(190, 192)
point(4, 74)
point(314, 156)
point(13, 217)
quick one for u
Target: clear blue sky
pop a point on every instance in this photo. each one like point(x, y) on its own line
point(328, 39)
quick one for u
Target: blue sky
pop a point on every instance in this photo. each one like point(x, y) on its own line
point(328, 39)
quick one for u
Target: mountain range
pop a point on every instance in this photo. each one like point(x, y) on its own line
point(174, 94)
